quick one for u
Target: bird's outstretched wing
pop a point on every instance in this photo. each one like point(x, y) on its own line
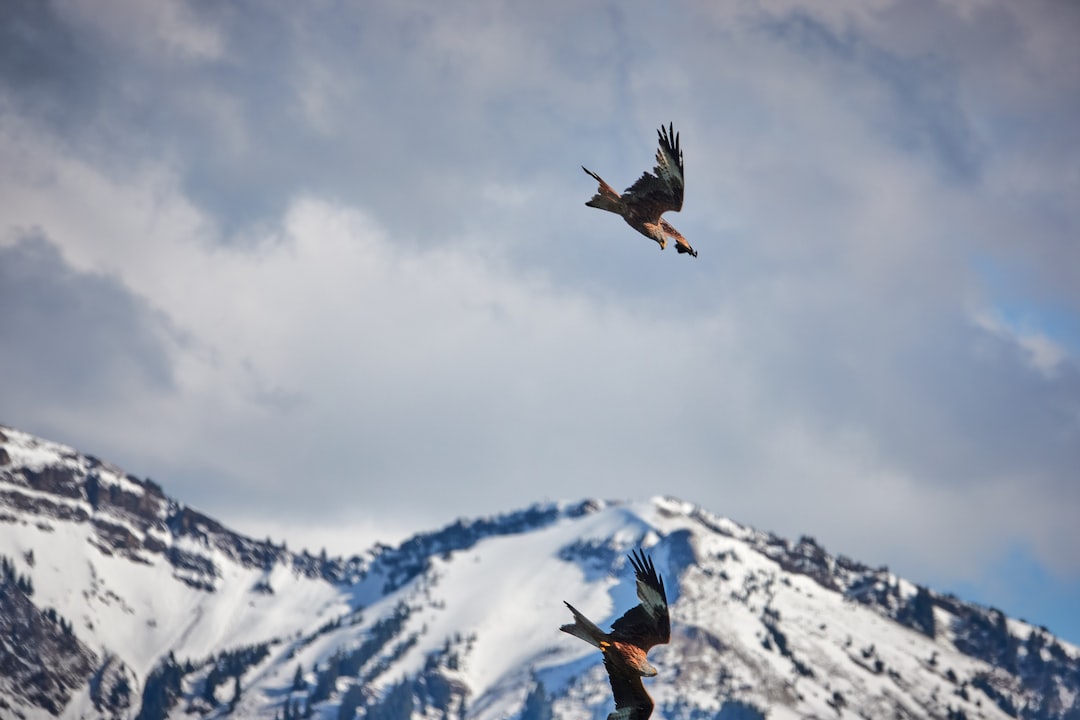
point(648, 623)
point(661, 190)
point(632, 702)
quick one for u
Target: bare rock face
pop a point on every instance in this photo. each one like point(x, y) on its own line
point(42, 663)
point(112, 689)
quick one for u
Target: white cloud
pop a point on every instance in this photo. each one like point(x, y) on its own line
point(378, 288)
point(150, 28)
point(1041, 352)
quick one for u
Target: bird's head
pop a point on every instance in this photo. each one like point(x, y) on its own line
point(680, 242)
point(659, 236)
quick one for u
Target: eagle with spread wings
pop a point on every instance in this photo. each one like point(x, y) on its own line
point(624, 648)
point(651, 196)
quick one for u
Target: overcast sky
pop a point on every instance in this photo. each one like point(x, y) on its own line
point(324, 270)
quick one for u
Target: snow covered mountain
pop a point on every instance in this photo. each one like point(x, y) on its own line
point(119, 602)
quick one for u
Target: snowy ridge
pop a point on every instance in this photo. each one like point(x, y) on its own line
point(135, 575)
point(149, 609)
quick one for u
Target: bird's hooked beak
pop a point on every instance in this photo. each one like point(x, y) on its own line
point(648, 670)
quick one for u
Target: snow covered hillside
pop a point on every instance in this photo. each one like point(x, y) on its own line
point(116, 601)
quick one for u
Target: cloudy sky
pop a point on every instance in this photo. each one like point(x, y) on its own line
point(324, 270)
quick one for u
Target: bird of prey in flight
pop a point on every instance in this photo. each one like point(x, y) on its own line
point(624, 648)
point(651, 196)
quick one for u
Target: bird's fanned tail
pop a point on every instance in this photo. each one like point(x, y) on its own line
point(583, 628)
point(605, 198)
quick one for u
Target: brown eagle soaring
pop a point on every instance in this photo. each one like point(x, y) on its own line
point(651, 196)
point(631, 636)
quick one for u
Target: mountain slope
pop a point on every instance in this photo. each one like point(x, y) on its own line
point(153, 610)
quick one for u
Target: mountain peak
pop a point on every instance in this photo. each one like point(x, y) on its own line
point(143, 606)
